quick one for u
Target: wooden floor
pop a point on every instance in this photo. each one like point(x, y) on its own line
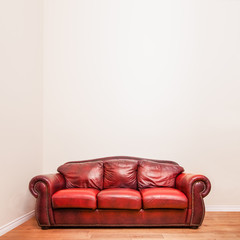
point(217, 225)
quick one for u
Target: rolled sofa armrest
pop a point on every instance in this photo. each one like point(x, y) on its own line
point(43, 187)
point(195, 187)
point(186, 181)
point(53, 183)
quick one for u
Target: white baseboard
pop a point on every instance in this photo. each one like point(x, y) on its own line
point(223, 208)
point(15, 223)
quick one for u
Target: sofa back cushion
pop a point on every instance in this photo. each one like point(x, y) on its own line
point(120, 173)
point(83, 175)
point(154, 174)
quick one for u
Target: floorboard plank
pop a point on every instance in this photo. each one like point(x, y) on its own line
point(217, 225)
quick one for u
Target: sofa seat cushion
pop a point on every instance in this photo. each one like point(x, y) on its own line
point(163, 198)
point(75, 198)
point(119, 198)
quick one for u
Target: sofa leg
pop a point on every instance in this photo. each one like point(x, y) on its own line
point(45, 227)
point(194, 227)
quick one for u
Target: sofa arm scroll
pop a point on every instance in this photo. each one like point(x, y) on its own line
point(53, 183)
point(195, 187)
point(43, 187)
point(185, 182)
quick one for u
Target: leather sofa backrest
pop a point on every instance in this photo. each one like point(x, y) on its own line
point(83, 174)
point(120, 172)
point(155, 174)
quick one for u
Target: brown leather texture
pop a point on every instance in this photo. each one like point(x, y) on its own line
point(163, 198)
point(153, 174)
point(120, 173)
point(150, 206)
point(83, 175)
point(119, 198)
point(75, 198)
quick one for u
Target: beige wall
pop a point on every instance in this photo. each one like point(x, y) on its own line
point(156, 79)
point(20, 104)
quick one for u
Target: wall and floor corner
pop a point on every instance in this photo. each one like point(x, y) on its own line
point(20, 107)
point(156, 79)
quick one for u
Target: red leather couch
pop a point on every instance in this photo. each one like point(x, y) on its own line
point(120, 191)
